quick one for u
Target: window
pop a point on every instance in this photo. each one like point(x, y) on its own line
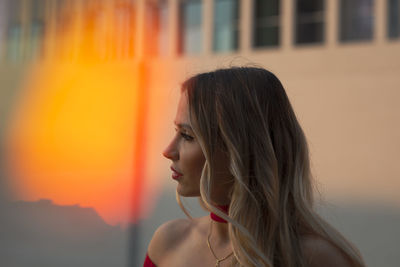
point(3, 26)
point(157, 28)
point(226, 25)
point(125, 27)
point(266, 23)
point(393, 18)
point(163, 28)
point(64, 16)
point(190, 39)
point(356, 20)
point(14, 30)
point(37, 28)
point(309, 21)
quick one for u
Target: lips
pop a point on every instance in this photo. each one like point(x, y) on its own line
point(175, 174)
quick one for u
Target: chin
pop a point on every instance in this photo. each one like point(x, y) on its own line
point(187, 192)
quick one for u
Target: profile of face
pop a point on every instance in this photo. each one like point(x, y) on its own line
point(185, 153)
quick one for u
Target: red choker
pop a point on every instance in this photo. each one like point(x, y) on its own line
point(216, 218)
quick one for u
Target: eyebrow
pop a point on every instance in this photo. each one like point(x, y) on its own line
point(183, 125)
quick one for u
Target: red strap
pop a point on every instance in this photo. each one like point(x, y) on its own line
point(148, 262)
point(216, 218)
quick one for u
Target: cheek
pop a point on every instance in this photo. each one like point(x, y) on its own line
point(200, 164)
point(195, 162)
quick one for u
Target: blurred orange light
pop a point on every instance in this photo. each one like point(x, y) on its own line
point(78, 129)
point(72, 138)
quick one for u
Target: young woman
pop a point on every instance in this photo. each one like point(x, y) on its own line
point(239, 147)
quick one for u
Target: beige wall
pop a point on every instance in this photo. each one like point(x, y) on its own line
point(346, 96)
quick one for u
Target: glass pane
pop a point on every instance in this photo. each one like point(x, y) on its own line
point(14, 30)
point(14, 42)
point(37, 28)
point(393, 19)
point(156, 28)
point(310, 33)
point(191, 27)
point(266, 23)
point(225, 25)
point(356, 20)
point(307, 6)
point(265, 8)
point(3, 25)
point(266, 36)
point(163, 28)
point(14, 10)
point(309, 21)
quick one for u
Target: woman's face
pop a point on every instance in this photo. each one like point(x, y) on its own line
point(185, 153)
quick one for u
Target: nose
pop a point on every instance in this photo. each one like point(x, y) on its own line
point(171, 151)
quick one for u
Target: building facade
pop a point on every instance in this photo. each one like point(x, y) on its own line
point(33, 29)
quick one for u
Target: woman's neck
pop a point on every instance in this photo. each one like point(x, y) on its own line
point(220, 232)
point(220, 225)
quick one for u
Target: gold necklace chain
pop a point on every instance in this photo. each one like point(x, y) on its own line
point(209, 246)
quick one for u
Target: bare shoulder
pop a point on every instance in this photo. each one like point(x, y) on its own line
point(320, 252)
point(167, 237)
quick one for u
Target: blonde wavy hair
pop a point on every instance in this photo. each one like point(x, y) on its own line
point(245, 112)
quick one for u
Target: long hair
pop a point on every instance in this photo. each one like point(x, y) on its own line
point(245, 112)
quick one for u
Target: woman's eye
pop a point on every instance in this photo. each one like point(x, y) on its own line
point(187, 137)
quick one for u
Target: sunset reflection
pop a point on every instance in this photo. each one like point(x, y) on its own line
point(79, 118)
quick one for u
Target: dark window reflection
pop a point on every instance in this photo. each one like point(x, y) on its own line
point(157, 28)
point(266, 23)
point(37, 28)
point(125, 25)
point(190, 39)
point(393, 18)
point(63, 15)
point(14, 31)
point(163, 39)
point(3, 28)
point(226, 25)
point(309, 21)
point(356, 20)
